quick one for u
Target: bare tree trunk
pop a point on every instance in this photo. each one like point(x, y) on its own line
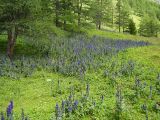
point(64, 24)
point(57, 12)
point(119, 24)
point(100, 22)
point(12, 36)
point(112, 16)
point(119, 15)
point(123, 24)
point(99, 26)
point(79, 12)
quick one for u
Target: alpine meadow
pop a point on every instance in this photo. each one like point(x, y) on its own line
point(79, 59)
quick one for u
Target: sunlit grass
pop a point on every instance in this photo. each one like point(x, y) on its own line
point(114, 35)
point(34, 94)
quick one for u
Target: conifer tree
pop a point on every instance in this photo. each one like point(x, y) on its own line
point(14, 16)
point(119, 7)
point(149, 27)
point(132, 27)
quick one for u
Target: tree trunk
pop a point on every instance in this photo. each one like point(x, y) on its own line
point(64, 24)
point(57, 12)
point(119, 27)
point(123, 25)
point(112, 17)
point(57, 20)
point(79, 12)
point(12, 36)
point(119, 22)
point(99, 26)
point(101, 16)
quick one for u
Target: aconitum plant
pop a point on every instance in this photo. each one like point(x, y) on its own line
point(102, 98)
point(23, 117)
point(151, 90)
point(71, 56)
point(9, 113)
point(75, 104)
point(137, 87)
point(119, 99)
point(145, 110)
point(2, 116)
point(57, 112)
point(87, 90)
point(158, 84)
point(10, 110)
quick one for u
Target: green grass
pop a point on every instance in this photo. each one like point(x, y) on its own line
point(33, 94)
point(148, 55)
point(113, 35)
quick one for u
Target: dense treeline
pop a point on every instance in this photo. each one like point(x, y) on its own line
point(17, 16)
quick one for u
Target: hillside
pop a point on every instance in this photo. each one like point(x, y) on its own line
point(79, 60)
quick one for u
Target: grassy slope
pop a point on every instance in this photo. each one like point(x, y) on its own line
point(149, 54)
point(34, 93)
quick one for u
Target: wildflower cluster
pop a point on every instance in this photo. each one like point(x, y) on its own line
point(72, 56)
point(9, 113)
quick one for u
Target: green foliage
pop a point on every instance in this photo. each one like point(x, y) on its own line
point(40, 35)
point(149, 27)
point(99, 11)
point(125, 19)
point(122, 17)
point(48, 66)
point(14, 17)
point(75, 15)
point(35, 93)
point(132, 27)
point(141, 7)
point(121, 105)
point(16, 12)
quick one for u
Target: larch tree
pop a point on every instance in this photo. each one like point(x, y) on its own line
point(14, 16)
point(123, 15)
point(132, 27)
point(98, 10)
point(119, 7)
point(57, 11)
point(81, 9)
point(125, 19)
point(149, 27)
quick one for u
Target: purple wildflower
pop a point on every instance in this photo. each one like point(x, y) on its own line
point(69, 109)
point(9, 109)
point(78, 62)
point(70, 98)
point(137, 82)
point(57, 107)
point(144, 108)
point(75, 105)
point(2, 116)
point(57, 110)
